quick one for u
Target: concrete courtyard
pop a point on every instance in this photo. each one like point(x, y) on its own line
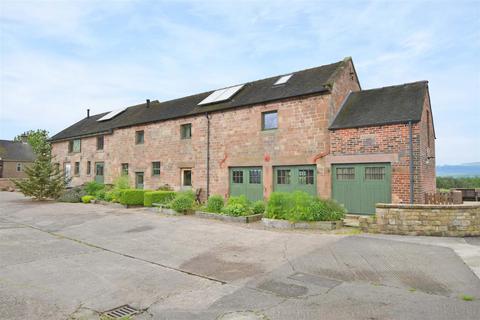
point(75, 261)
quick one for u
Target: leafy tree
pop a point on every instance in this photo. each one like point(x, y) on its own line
point(44, 178)
point(35, 138)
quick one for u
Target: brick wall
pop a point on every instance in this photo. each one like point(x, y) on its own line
point(430, 220)
point(390, 143)
point(9, 169)
point(236, 140)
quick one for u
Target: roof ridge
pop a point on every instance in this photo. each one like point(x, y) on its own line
point(394, 85)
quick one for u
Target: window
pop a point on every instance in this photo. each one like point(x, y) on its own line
point(76, 169)
point(374, 173)
point(269, 120)
point(100, 143)
point(124, 169)
point(186, 131)
point(305, 176)
point(283, 79)
point(186, 177)
point(89, 168)
point(237, 176)
point(345, 173)
point(156, 168)
point(283, 176)
point(74, 146)
point(139, 136)
point(255, 176)
point(19, 167)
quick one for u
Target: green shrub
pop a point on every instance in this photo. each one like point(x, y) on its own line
point(100, 194)
point(182, 202)
point(258, 207)
point(300, 206)
point(93, 187)
point(239, 200)
point(109, 196)
point(132, 197)
point(157, 197)
point(165, 187)
point(236, 210)
point(215, 203)
point(121, 183)
point(72, 195)
point(87, 199)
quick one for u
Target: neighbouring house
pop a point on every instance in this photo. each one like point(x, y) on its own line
point(313, 130)
point(14, 157)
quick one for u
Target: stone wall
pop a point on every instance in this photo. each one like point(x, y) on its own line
point(424, 220)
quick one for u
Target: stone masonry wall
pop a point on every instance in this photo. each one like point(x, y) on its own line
point(424, 220)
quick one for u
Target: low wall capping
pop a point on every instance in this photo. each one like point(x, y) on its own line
point(428, 206)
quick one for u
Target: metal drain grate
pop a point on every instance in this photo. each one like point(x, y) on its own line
point(120, 312)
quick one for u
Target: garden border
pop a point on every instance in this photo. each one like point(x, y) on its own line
point(223, 217)
point(309, 225)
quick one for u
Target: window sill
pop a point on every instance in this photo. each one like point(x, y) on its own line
point(269, 130)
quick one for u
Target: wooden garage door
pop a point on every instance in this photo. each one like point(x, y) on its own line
point(360, 186)
point(295, 178)
point(247, 181)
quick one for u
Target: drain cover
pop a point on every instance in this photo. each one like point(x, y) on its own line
point(120, 312)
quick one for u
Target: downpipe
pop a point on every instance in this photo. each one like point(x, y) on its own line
point(207, 115)
point(410, 129)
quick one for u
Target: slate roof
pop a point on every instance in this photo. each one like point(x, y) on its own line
point(388, 105)
point(16, 151)
point(309, 81)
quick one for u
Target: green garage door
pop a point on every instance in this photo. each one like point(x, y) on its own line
point(360, 186)
point(247, 181)
point(295, 178)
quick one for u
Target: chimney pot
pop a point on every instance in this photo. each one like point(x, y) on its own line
point(88, 113)
point(148, 103)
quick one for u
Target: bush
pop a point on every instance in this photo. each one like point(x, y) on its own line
point(132, 197)
point(93, 187)
point(165, 187)
point(239, 200)
point(215, 203)
point(72, 195)
point(258, 207)
point(182, 202)
point(87, 199)
point(236, 210)
point(109, 196)
point(100, 194)
point(300, 206)
point(121, 183)
point(152, 197)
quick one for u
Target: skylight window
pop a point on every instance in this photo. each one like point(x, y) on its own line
point(111, 114)
point(221, 95)
point(283, 79)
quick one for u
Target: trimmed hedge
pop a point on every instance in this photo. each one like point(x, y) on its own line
point(162, 197)
point(132, 197)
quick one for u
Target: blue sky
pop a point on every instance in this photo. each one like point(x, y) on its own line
point(59, 58)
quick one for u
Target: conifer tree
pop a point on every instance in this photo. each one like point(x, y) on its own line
point(44, 179)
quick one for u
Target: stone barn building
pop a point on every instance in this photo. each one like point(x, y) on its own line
point(314, 130)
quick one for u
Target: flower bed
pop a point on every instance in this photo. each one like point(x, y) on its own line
point(223, 217)
point(314, 225)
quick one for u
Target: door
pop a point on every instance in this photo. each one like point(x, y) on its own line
point(295, 178)
point(247, 181)
point(67, 172)
point(99, 174)
point(139, 180)
point(360, 186)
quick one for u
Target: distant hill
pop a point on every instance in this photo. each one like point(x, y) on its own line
point(459, 170)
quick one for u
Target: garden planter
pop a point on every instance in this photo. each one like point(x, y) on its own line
point(314, 225)
point(222, 217)
point(110, 204)
point(173, 212)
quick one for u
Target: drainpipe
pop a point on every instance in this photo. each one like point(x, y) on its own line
point(208, 153)
point(410, 128)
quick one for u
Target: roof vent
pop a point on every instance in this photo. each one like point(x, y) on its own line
point(283, 79)
point(111, 114)
point(148, 103)
point(221, 95)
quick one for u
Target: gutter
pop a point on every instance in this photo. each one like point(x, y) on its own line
point(410, 129)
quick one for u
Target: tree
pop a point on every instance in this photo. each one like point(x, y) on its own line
point(35, 138)
point(44, 178)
